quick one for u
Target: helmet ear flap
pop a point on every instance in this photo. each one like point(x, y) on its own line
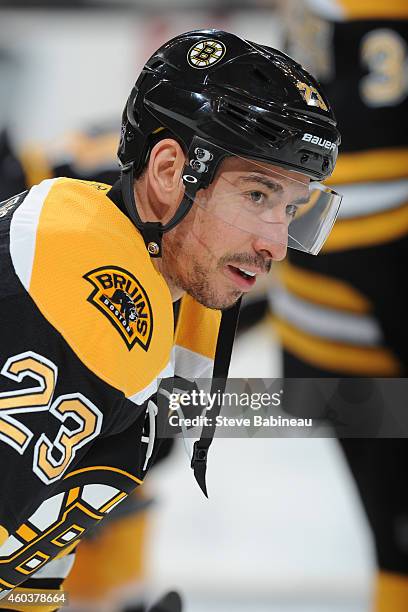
point(129, 130)
point(131, 134)
point(132, 113)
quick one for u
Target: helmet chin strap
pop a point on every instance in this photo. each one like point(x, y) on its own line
point(197, 174)
point(152, 231)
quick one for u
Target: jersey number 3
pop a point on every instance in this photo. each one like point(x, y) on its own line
point(39, 399)
point(384, 54)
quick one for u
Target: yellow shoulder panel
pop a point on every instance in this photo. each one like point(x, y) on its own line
point(93, 280)
point(197, 327)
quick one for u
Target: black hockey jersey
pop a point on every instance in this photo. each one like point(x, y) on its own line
point(341, 312)
point(86, 330)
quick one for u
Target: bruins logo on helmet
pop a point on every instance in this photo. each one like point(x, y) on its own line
point(206, 53)
point(122, 299)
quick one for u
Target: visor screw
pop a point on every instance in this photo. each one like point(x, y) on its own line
point(153, 248)
point(198, 166)
point(304, 159)
point(325, 164)
point(202, 154)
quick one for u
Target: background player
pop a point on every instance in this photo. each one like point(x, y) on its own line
point(344, 314)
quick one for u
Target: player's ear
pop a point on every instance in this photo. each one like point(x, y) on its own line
point(164, 172)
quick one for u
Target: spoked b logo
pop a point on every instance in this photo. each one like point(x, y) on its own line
point(206, 53)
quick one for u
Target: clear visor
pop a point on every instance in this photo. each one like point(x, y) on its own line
point(278, 205)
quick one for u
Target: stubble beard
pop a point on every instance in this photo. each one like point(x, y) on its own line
point(196, 279)
point(199, 287)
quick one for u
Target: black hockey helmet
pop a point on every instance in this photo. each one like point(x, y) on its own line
point(217, 95)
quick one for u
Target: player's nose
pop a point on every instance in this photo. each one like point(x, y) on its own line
point(274, 246)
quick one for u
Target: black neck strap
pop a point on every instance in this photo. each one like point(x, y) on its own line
point(222, 360)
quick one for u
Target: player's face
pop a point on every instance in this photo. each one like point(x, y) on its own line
point(234, 231)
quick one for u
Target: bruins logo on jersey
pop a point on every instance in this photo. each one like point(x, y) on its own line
point(122, 299)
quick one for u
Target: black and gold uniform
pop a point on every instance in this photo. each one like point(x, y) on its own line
point(90, 155)
point(343, 314)
point(87, 329)
point(84, 287)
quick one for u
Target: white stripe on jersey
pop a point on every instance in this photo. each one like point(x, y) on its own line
point(56, 568)
point(190, 364)
point(184, 363)
point(23, 230)
point(325, 322)
point(362, 199)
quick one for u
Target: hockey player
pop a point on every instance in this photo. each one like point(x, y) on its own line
point(354, 292)
point(110, 569)
point(222, 141)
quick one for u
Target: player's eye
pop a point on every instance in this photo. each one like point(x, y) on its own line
point(257, 197)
